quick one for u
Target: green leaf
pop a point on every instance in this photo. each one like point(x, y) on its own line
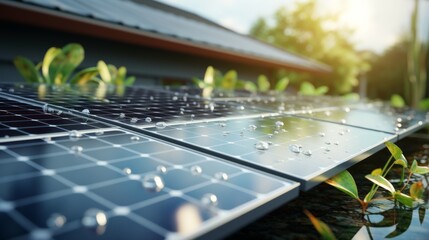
point(282, 84)
point(397, 101)
point(322, 90)
point(424, 104)
point(263, 83)
point(377, 172)
point(250, 86)
point(104, 71)
point(209, 76)
point(120, 77)
point(27, 69)
point(84, 76)
point(381, 181)
point(321, 227)
point(65, 63)
point(416, 190)
point(129, 81)
point(306, 89)
point(416, 169)
point(47, 60)
point(397, 154)
point(404, 199)
point(344, 182)
point(229, 80)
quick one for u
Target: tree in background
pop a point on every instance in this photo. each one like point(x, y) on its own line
point(305, 32)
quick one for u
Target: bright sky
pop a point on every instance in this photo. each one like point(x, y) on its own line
point(378, 23)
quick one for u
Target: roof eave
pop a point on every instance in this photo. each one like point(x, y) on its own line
point(47, 18)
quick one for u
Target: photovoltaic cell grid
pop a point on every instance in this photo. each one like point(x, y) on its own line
point(305, 150)
point(134, 106)
point(60, 186)
point(300, 138)
point(376, 117)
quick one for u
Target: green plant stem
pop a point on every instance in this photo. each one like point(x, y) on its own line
point(374, 187)
point(407, 182)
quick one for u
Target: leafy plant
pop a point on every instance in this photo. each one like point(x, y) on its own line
point(397, 101)
point(59, 64)
point(56, 67)
point(346, 183)
point(308, 89)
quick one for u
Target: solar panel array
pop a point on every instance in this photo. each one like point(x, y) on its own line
point(171, 164)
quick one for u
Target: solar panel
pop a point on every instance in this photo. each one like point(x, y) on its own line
point(145, 159)
point(377, 117)
point(302, 149)
point(111, 182)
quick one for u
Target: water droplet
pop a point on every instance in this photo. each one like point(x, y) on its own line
point(225, 133)
point(252, 127)
point(122, 115)
point(59, 112)
point(153, 183)
point(270, 135)
point(135, 138)
point(161, 125)
point(276, 132)
point(328, 143)
point(11, 90)
point(127, 171)
point(343, 121)
point(399, 120)
point(56, 220)
point(221, 176)
point(241, 107)
point(262, 145)
point(45, 108)
point(85, 111)
point(279, 124)
point(151, 98)
point(295, 148)
point(74, 135)
point(222, 124)
point(307, 153)
point(175, 98)
point(192, 116)
point(76, 149)
point(134, 120)
point(196, 170)
point(322, 134)
point(99, 132)
point(347, 109)
point(209, 199)
point(420, 123)
point(95, 219)
point(161, 169)
point(148, 119)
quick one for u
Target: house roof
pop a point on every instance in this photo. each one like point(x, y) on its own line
point(154, 24)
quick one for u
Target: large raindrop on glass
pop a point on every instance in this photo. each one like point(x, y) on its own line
point(95, 219)
point(262, 145)
point(153, 183)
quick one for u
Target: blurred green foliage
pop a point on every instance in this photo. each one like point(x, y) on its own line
point(215, 79)
point(59, 64)
point(304, 31)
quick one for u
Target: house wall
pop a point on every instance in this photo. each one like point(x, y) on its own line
point(149, 65)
